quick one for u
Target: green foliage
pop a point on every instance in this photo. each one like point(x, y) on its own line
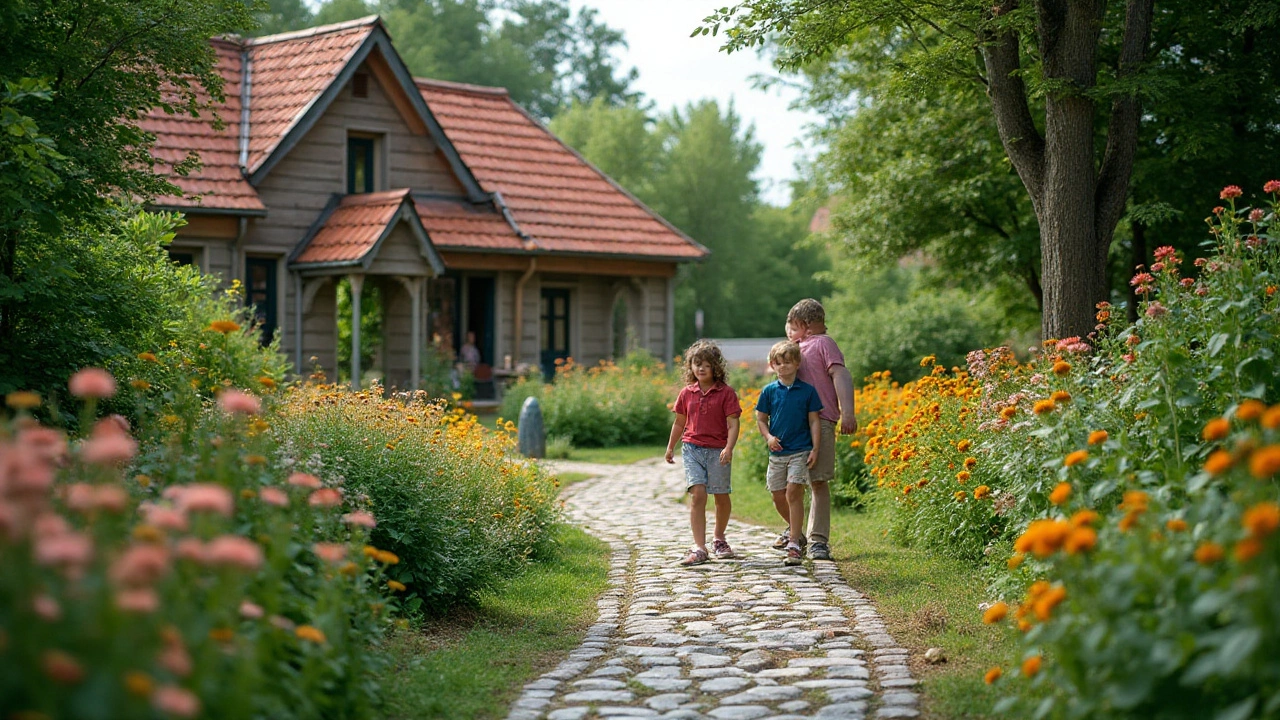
point(602, 406)
point(458, 512)
point(559, 447)
point(95, 298)
point(370, 328)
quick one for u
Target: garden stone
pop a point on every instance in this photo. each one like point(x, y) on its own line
point(740, 712)
point(668, 701)
point(723, 685)
point(571, 713)
point(531, 437)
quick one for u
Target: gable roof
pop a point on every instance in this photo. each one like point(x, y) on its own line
point(554, 195)
point(351, 228)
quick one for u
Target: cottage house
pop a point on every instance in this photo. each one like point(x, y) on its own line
point(332, 163)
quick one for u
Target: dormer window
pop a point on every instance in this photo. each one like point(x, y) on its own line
point(360, 165)
point(360, 85)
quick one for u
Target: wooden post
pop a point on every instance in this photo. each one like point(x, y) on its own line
point(357, 286)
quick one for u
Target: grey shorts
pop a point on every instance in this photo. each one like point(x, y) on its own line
point(824, 470)
point(783, 469)
point(702, 467)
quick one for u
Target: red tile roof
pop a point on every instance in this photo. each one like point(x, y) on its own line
point(353, 228)
point(555, 196)
point(218, 184)
point(460, 225)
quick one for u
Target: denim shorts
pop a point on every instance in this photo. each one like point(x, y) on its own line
point(702, 467)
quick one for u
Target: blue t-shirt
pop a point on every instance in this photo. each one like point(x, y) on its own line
point(788, 409)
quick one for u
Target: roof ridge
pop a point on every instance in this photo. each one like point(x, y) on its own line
point(463, 87)
point(312, 32)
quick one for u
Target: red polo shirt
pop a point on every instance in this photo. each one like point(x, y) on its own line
point(708, 413)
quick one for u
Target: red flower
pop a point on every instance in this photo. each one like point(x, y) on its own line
point(1164, 252)
point(1272, 186)
point(1142, 278)
point(1230, 192)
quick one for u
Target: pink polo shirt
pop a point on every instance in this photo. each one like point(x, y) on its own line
point(818, 354)
point(707, 414)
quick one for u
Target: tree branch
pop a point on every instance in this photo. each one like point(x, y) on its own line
point(1008, 94)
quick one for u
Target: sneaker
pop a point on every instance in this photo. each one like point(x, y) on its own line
point(696, 556)
point(722, 550)
point(783, 539)
point(794, 556)
point(820, 551)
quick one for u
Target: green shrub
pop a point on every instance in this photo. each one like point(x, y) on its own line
point(602, 406)
point(559, 447)
point(458, 510)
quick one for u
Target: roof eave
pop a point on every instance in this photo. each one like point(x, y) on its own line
point(570, 253)
point(201, 210)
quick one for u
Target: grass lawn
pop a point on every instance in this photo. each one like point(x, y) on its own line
point(624, 455)
point(473, 663)
point(568, 478)
point(928, 601)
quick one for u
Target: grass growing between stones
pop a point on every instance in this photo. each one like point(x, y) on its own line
point(474, 663)
point(927, 601)
point(622, 455)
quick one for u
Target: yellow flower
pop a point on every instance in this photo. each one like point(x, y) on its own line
point(1097, 437)
point(1060, 396)
point(969, 462)
point(1075, 458)
point(1215, 429)
point(963, 476)
point(255, 460)
point(267, 382)
point(995, 613)
point(963, 445)
point(396, 585)
point(1008, 412)
point(928, 360)
point(310, 633)
point(1061, 367)
point(143, 480)
point(1043, 407)
point(386, 557)
point(1060, 493)
point(149, 357)
point(981, 492)
point(22, 400)
point(140, 385)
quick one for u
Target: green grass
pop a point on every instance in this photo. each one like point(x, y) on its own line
point(568, 478)
point(927, 601)
point(473, 663)
point(624, 455)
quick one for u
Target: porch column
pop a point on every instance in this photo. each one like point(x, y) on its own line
point(357, 286)
point(414, 287)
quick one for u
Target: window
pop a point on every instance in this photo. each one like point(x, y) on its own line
point(555, 329)
point(260, 292)
point(360, 85)
point(360, 165)
point(182, 257)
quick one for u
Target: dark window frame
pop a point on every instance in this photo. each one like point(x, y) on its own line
point(267, 309)
point(358, 147)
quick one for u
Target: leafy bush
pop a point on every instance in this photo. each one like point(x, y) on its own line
point(559, 447)
point(1129, 481)
point(602, 406)
point(451, 502)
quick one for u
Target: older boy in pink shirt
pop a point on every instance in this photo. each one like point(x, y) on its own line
point(822, 366)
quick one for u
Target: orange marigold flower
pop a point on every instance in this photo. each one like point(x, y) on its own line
point(995, 613)
point(1060, 493)
point(981, 492)
point(960, 495)
point(992, 675)
point(1271, 418)
point(223, 326)
point(1075, 458)
point(1031, 666)
point(1097, 437)
point(22, 400)
point(1083, 517)
point(1135, 501)
point(1043, 537)
point(1218, 462)
point(1062, 367)
point(1024, 625)
point(1008, 411)
point(969, 462)
point(1265, 462)
point(1082, 539)
point(267, 382)
point(1043, 407)
point(1060, 396)
point(1247, 549)
point(1208, 553)
point(963, 445)
point(1215, 429)
point(1129, 520)
point(395, 585)
point(1015, 560)
point(1048, 600)
point(963, 476)
point(386, 557)
point(310, 633)
point(148, 357)
point(1176, 525)
point(1250, 410)
point(138, 683)
point(1262, 519)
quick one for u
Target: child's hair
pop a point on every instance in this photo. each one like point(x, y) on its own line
point(807, 312)
point(785, 350)
point(709, 353)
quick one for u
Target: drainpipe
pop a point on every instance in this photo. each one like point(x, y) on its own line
point(519, 302)
point(233, 247)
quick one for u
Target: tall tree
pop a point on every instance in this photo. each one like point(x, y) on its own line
point(77, 77)
point(1086, 61)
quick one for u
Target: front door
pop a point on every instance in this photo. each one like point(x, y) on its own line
point(555, 329)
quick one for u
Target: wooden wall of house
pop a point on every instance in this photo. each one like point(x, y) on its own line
point(320, 331)
point(397, 333)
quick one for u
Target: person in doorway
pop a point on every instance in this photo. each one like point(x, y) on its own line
point(469, 354)
point(787, 416)
point(822, 366)
point(707, 420)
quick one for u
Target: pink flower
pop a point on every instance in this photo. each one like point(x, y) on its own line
point(1127, 357)
point(274, 496)
point(1256, 215)
point(325, 497)
point(92, 383)
point(1156, 310)
point(46, 443)
point(191, 549)
point(174, 657)
point(50, 525)
point(202, 497)
point(363, 519)
point(1253, 242)
point(330, 552)
point(1202, 290)
point(175, 701)
point(1142, 278)
point(70, 549)
point(46, 607)
point(1133, 339)
point(282, 622)
point(1186, 282)
point(1231, 191)
point(140, 565)
point(165, 518)
point(1157, 267)
point(138, 600)
point(1201, 261)
point(1164, 252)
point(250, 610)
point(304, 480)
point(109, 444)
point(234, 551)
point(1271, 186)
point(234, 401)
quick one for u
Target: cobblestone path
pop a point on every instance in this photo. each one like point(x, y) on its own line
point(732, 639)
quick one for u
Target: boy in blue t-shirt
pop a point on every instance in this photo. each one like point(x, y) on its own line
point(787, 416)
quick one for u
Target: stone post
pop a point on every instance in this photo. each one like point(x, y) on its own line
point(532, 435)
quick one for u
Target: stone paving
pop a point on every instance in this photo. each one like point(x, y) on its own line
point(741, 639)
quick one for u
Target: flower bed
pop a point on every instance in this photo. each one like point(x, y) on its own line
point(1122, 489)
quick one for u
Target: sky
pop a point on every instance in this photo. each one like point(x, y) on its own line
point(676, 69)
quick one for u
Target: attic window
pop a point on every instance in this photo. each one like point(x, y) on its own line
point(360, 85)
